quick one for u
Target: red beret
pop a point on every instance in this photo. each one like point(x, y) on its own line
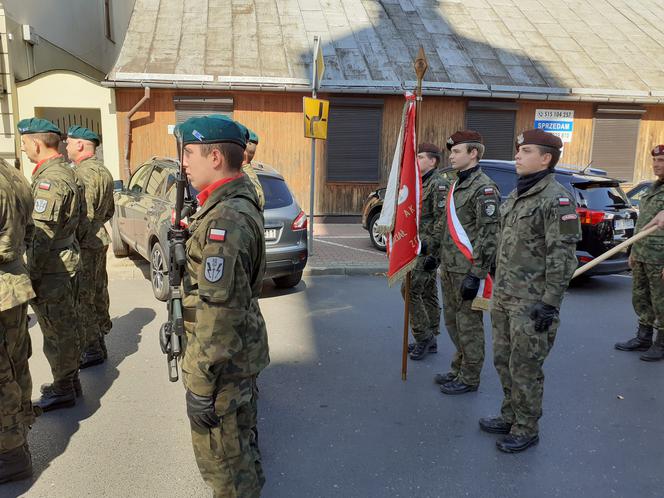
point(463, 137)
point(538, 137)
point(657, 151)
point(430, 148)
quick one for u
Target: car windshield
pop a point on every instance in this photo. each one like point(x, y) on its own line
point(600, 197)
point(276, 192)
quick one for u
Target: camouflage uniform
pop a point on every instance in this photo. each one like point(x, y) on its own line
point(424, 309)
point(226, 339)
point(93, 239)
point(535, 262)
point(249, 171)
point(476, 199)
point(16, 228)
point(648, 257)
point(53, 262)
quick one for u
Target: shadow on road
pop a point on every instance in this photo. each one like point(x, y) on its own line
point(52, 431)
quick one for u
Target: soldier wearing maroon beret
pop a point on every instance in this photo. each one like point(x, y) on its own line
point(535, 261)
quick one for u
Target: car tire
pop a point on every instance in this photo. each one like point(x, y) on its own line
point(159, 272)
point(377, 240)
point(288, 281)
point(119, 246)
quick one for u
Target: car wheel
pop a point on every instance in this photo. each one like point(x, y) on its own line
point(120, 247)
point(288, 281)
point(159, 272)
point(377, 239)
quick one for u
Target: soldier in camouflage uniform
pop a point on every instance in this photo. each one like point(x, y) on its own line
point(53, 258)
point(647, 262)
point(424, 307)
point(476, 199)
point(535, 261)
point(93, 238)
point(226, 340)
point(247, 167)
point(16, 414)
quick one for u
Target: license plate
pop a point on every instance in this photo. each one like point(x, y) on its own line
point(271, 234)
point(624, 224)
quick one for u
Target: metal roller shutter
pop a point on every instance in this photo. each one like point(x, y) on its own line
point(189, 107)
point(614, 145)
point(497, 129)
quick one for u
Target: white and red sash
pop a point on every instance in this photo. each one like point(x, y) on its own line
point(462, 241)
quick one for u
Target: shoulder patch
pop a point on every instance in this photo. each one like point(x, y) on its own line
point(489, 191)
point(217, 235)
point(40, 205)
point(214, 268)
point(44, 186)
point(490, 208)
point(563, 201)
point(442, 188)
point(569, 217)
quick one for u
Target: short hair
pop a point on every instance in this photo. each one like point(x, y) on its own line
point(50, 140)
point(555, 154)
point(435, 157)
point(232, 153)
point(470, 146)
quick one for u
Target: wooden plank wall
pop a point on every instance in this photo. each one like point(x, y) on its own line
point(651, 133)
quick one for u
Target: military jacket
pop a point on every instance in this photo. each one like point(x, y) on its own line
point(476, 199)
point(536, 255)
point(56, 213)
point(249, 171)
point(16, 231)
point(651, 248)
point(98, 203)
point(226, 337)
point(434, 191)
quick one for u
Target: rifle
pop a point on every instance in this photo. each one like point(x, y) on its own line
point(172, 331)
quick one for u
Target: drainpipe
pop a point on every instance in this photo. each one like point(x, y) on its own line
point(128, 132)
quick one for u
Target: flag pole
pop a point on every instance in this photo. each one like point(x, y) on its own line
point(421, 67)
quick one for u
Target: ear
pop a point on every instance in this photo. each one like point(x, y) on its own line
point(218, 158)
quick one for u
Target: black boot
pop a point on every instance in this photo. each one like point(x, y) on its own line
point(641, 342)
point(91, 357)
point(495, 425)
point(444, 378)
point(432, 349)
point(422, 348)
point(76, 382)
point(15, 464)
point(656, 351)
point(514, 444)
point(60, 394)
point(457, 387)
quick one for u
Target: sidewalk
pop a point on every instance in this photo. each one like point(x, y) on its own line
point(339, 249)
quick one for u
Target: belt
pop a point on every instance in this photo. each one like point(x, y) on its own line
point(189, 314)
point(63, 243)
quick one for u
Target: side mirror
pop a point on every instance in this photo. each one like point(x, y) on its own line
point(118, 186)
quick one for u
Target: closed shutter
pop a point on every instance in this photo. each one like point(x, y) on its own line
point(497, 130)
point(189, 107)
point(353, 140)
point(614, 145)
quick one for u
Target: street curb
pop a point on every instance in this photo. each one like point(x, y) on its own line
point(318, 271)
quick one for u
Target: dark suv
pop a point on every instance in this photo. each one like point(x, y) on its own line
point(607, 217)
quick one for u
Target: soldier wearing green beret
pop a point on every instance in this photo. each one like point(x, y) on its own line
point(225, 347)
point(248, 168)
point(53, 258)
point(93, 301)
point(535, 261)
point(16, 415)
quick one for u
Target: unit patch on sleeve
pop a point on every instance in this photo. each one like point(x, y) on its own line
point(569, 217)
point(490, 208)
point(217, 234)
point(40, 205)
point(214, 268)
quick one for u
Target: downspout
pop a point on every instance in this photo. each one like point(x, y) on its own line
point(128, 130)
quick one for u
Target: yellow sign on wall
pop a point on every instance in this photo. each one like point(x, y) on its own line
point(315, 118)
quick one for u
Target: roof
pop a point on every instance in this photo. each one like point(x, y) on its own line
point(563, 50)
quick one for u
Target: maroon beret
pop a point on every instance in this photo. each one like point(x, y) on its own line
point(464, 137)
point(538, 137)
point(657, 151)
point(430, 148)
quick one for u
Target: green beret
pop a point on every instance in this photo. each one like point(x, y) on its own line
point(245, 131)
point(37, 125)
point(210, 130)
point(224, 117)
point(83, 133)
point(253, 137)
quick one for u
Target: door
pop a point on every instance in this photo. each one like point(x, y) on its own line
point(148, 208)
point(128, 209)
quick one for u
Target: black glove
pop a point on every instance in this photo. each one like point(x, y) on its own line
point(543, 314)
point(200, 410)
point(469, 287)
point(430, 263)
point(424, 248)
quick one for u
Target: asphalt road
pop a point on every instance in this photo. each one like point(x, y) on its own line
point(337, 421)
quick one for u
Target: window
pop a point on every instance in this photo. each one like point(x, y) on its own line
point(138, 179)
point(495, 121)
point(108, 21)
point(353, 141)
point(189, 107)
point(615, 135)
point(155, 185)
point(276, 192)
point(506, 180)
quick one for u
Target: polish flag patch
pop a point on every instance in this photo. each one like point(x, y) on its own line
point(488, 191)
point(44, 186)
point(563, 201)
point(217, 234)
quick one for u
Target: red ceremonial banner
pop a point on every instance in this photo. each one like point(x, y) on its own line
point(403, 243)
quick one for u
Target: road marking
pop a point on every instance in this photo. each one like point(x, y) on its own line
point(347, 247)
point(341, 236)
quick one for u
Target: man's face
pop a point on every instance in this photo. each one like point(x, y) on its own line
point(72, 148)
point(200, 169)
point(249, 152)
point(29, 146)
point(530, 160)
point(460, 158)
point(426, 163)
point(658, 166)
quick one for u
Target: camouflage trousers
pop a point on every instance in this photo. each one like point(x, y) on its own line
point(16, 414)
point(92, 303)
point(424, 307)
point(519, 352)
point(466, 329)
point(56, 312)
point(648, 294)
point(227, 455)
